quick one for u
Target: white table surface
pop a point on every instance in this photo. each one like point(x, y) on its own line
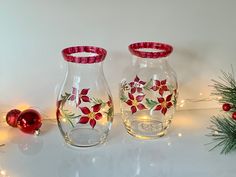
point(181, 153)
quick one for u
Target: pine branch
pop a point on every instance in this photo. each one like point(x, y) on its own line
point(223, 133)
point(225, 87)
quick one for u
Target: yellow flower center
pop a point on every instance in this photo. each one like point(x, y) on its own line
point(163, 104)
point(91, 115)
point(135, 103)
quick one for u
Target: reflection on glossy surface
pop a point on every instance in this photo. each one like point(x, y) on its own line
point(31, 147)
point(28, 144)
point(5, 135)
point(87, 164)
point(137, 163)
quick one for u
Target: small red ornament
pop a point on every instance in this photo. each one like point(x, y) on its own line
point(226, 107)
point(12, 117)
point(29, 121)
point(234, 116)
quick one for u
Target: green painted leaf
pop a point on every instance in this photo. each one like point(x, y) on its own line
point(151, 103)
point(148, 85)
point(123, 97)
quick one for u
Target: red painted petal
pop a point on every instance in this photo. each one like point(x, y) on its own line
point(136, 79)
point(164, 110)
point(142, 82)
point(84, 120)
point(165, 88)
point(79, 101)
point(58, 113)
point(109, 103)
point(131, 96)
point(133, 109)
point(161, 91)
point(98, 116)
point(84, 92)
point(92, 123)
point(168, 98)
point(85, 110)
point(157, 82)
point(139, 90)
point(131, 84)
point(154, 88)
point(163, 82)
point(96, 107)
point(158, 107)
point(72, 98)
point(133, 90)
point(141, 106)
point(139, 98)
point(129, 102)
point(160, 100)
point(85, 98)
point(169, 104)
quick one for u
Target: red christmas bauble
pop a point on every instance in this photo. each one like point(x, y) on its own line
point(234, 116)
point(226, 107)
point(12, 117)
point(29, 121)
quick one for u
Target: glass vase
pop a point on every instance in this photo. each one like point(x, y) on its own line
point(84, 106)
point(148, 91)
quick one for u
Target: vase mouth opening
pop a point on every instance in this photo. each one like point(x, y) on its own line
point(151, 50)
point(84, 54)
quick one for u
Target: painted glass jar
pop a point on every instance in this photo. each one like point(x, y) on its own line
point(148, 91)
point(84, 105)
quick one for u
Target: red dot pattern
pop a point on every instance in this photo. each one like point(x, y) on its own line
point(67, 54)
point(165, 49)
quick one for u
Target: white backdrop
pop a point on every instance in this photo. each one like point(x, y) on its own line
point(32, 34)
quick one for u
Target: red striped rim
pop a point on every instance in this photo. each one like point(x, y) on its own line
point(67, 54)
point(165, 49)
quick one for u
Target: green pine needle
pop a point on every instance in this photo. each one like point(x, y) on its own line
point(223, 133)
point(225, 87)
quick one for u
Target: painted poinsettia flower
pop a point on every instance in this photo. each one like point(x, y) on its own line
point(137, 85)
point(160, 86)
point(165, 103)
point(81, 96)
point(136, 103)
point(90, 116)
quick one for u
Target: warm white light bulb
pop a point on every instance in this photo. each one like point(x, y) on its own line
point(64, 120)
point(2, 172)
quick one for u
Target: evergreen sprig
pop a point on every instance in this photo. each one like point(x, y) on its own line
point(224, 127)
point(223, 133)
point(225, 88)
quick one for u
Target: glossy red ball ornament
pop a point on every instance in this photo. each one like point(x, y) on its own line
point(12, 117)
point(29, 121)
point(226, 107)
point(234, 116)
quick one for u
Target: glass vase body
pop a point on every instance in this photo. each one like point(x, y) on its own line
point(84, 105)
point(148, 91)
